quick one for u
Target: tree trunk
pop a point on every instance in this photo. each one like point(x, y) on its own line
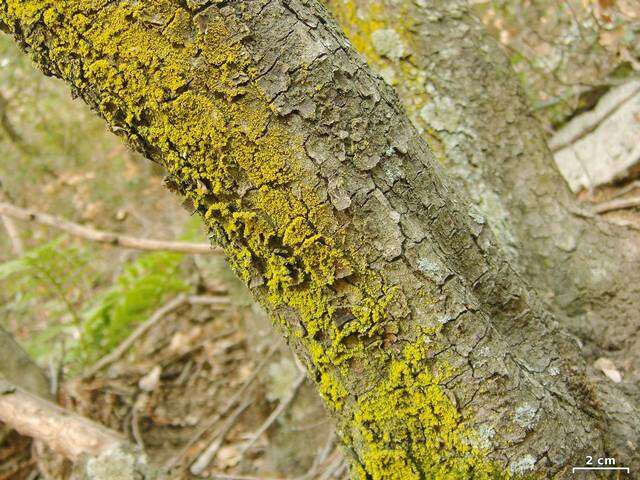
point(460, 92)
point(433, 356)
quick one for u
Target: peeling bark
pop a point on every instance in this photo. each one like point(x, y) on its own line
point(435, 359)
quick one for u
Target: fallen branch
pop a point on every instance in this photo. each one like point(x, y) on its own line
point(100, 453)
point(203, 461)
point(282, 406)
point(99, 236)
point(618, 204)
point(14, 236)
point(12, 231)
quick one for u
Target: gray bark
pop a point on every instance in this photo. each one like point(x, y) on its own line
point(460, 92)
point(434, 357)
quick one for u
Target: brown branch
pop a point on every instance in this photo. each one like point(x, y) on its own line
point(14, 236)
point(100, 453)
point(99, 236)
point(67, 433)
point(617, 205)
point(12, 231)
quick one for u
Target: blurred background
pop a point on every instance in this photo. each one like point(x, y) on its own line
point(209, 388)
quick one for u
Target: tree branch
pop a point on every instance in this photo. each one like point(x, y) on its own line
point(110, 238)
point(460, 91)
point(101, 453)
point(14, 235)
point(618, 204)
point(12, 231)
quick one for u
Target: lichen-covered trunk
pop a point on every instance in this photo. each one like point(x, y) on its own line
point(429, 351)
point(459, 90)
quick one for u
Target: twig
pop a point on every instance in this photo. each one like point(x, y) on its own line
point(137, 333)
point(321, 457)
point(204, 459)
point(210, 300)
point(12, 231)
point(99, 236)
point(228, 406)
point(589, 122)
point(619, 204)
point(282, 406)
point(627, 188)
point(135, 429)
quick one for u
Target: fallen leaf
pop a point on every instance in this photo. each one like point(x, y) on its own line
point(609, 369)
point(150, 381)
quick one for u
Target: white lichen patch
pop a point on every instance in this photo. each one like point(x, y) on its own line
point(525, 416)
point(522, 465)
point(433, 269)
point(483, 439)
point(387, 43)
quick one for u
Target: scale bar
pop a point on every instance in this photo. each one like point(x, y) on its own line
point(575, 469)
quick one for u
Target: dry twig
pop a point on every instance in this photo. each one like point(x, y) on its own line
point(110, 238)
point(137, 333)
point(66, 433)
point(12, 231)
point(618, 204)
point(282, 406)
